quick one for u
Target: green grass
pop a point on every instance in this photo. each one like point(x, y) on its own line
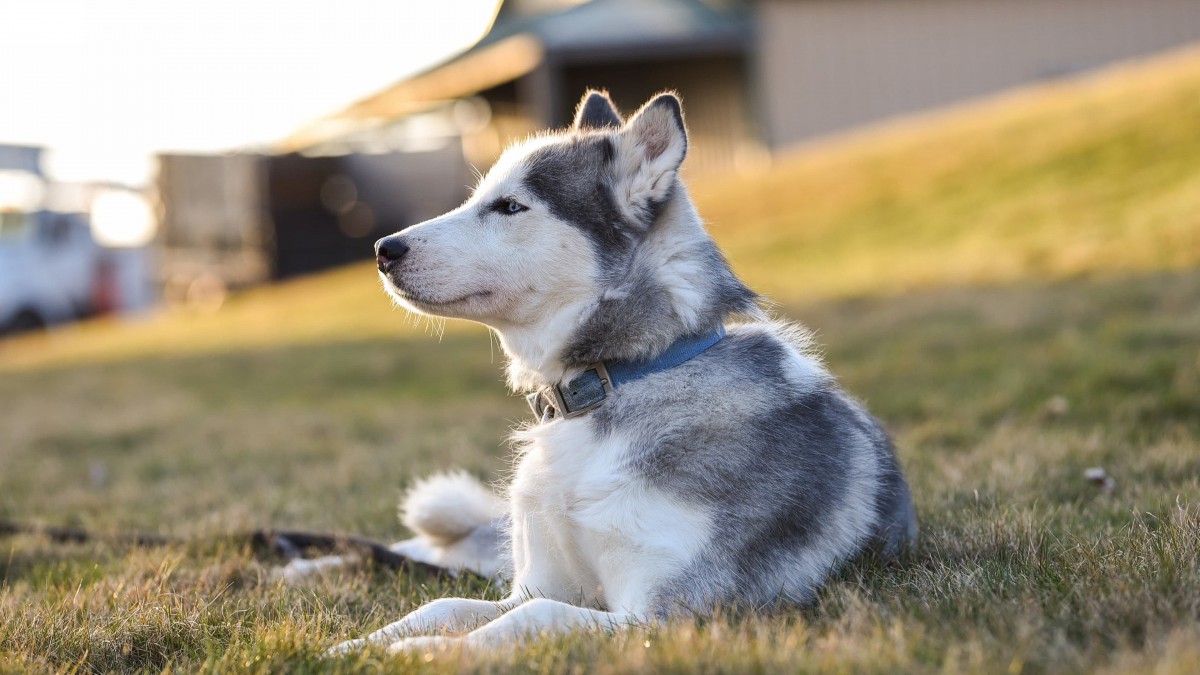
point(942, 267)
point(1066, 180)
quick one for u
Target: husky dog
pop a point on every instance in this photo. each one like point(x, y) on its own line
point(688, 453)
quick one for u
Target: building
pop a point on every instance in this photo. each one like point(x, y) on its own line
point(757, 76)
point(238, 220)
point(827, 66)
point(529, 72)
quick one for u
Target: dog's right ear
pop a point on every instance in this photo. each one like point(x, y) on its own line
point(596, 111)
point(652, 145)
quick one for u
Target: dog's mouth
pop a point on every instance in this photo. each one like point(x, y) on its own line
point(422, 301)
point(427, 302)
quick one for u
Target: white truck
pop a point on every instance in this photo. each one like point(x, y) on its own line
point(51, 269)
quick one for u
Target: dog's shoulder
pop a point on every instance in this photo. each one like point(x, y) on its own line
point(758, 408)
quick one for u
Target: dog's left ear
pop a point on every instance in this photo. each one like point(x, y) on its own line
point(653, 145)
point(596, 111)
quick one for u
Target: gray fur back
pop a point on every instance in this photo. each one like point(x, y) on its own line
point(799, 477)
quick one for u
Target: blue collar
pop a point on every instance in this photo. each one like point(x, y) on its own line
point(589, 389)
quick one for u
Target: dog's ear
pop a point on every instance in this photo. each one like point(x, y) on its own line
point(596, 111)
point(653, 145)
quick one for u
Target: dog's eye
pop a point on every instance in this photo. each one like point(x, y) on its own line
point(508, 206)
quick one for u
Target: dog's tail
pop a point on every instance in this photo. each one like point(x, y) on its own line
point(447, 507)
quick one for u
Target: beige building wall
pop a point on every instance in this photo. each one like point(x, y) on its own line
point(830, 65)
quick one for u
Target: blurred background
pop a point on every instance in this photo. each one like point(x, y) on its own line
point(155, 156)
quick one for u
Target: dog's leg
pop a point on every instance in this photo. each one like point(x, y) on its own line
point(446, 614)
point(539, 616)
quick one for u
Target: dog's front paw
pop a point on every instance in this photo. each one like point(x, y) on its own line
point(423, 644)
point(343, 648)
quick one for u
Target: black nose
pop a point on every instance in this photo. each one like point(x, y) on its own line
point(389, 251)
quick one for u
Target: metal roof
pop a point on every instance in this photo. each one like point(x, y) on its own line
point(600, 31)
point(602, 25)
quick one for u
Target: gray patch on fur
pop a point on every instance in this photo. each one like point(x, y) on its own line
point(897, 519)
point(573, 180)
point(637, 318)
point(730, 433)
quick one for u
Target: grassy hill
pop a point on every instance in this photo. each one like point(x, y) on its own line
point(1098, 175)
point(1011, 286)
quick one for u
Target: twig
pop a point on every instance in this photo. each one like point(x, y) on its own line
point(289, 544)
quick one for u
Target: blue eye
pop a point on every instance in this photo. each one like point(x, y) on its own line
point(508, 206)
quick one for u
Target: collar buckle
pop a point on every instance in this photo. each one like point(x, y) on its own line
point(584, 393)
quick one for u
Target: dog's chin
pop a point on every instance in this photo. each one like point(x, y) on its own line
point(467, 305)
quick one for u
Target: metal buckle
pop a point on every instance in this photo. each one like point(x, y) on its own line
point(605, 381)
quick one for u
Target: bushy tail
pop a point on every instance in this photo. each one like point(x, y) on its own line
point(447, 507)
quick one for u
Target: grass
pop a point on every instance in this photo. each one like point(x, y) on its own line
point(1064, 180)
point(1012, 288)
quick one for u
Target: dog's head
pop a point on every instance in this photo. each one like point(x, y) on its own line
point(578, 246)
point(551, 220)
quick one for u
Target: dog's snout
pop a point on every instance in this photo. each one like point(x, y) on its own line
point(389, 251)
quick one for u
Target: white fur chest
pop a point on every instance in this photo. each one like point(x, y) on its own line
point(584, 523)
